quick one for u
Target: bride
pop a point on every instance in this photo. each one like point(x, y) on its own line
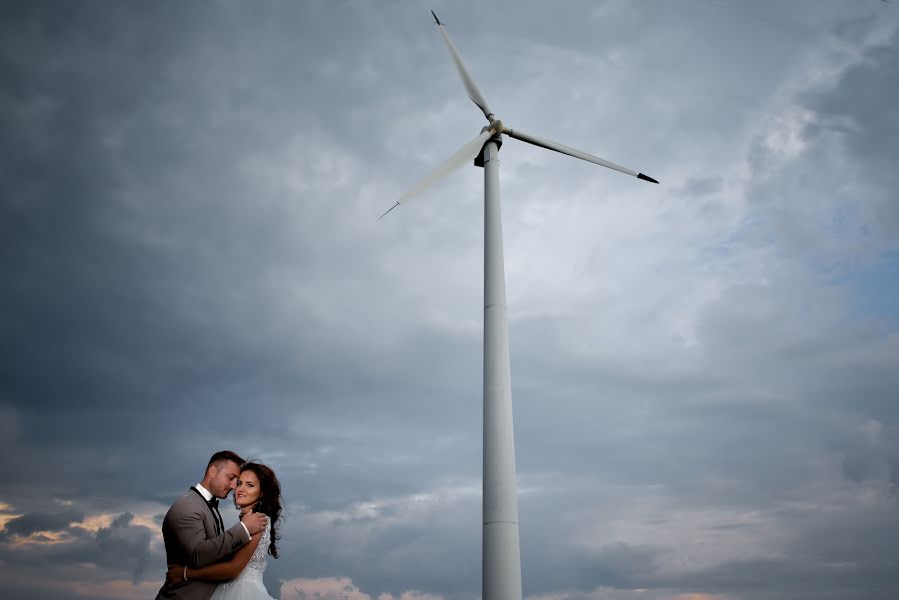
point(257, 490)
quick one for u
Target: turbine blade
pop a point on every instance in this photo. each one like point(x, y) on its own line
point(470, 86)
point(518, 135)
point(388, 210)
point(464, 155)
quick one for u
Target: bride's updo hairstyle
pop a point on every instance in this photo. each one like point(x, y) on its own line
point(269, 501)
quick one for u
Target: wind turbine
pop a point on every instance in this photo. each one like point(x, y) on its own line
point(500, 555)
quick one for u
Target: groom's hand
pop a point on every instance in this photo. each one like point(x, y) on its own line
point(255, 522)
point(175, 575)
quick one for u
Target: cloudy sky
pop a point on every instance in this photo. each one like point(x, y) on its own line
point(705, 372)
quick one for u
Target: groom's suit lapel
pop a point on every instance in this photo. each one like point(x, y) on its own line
point(219, 525)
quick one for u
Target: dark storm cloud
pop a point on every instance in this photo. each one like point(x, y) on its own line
point(873, 453)
point(122, 539)
point(861, 110)
point(40, 521)
point(389, 552)
point(66, 544)
point(119, 263)
point(118, 310)
point(617, 565)
point(822, 561)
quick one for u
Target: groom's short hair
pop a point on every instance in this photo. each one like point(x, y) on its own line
point(223, 456)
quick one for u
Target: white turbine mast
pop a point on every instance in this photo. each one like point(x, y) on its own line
point(500, 558)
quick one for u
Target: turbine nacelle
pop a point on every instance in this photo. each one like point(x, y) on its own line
point(495, 129)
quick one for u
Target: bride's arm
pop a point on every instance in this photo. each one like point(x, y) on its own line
point(222, 571)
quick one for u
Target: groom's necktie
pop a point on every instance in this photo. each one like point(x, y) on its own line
point(219, 523)
point(213, 505)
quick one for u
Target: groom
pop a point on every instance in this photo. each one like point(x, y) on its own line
point(193, 530)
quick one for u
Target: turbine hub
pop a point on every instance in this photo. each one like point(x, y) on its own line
point(496, 125)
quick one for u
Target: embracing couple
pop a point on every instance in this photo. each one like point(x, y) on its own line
point(205, 559)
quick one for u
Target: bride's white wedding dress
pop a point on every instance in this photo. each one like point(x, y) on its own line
point(248, 585)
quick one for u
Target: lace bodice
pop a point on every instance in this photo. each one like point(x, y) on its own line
point(256, 567)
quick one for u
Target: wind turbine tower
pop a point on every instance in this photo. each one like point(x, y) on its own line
point(500, 558)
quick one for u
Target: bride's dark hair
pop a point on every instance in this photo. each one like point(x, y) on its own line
point(269, 501)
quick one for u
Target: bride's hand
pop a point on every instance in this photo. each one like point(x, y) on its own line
point(175, 575)
point(255, 522)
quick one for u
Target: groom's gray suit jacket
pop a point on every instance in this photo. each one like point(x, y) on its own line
point(190, 539)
